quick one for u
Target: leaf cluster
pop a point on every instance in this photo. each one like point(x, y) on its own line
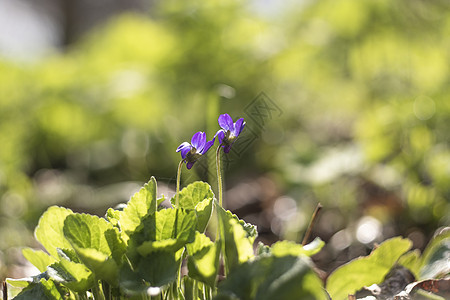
point(139, 253)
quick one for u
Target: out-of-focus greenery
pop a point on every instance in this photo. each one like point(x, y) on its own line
point(371, 83)
point(363, 87)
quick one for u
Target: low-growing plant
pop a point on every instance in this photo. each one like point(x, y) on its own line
point(148, 251)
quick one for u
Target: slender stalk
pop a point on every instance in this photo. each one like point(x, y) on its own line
point(5, 290)
point(106, 290)
point(311, 224)
point(180, 165)
point(167, 293)
point(179, 283)
point(204, 292)
point(172, 294)
point(209, 291)
point(212, 104)
point(127, 259)
point(219, 174)
point(177, 205)
point(97, 292)
point(195, 290)
point(219, 224)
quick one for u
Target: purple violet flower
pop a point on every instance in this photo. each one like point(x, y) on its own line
point(229, 132)
point(190, 153)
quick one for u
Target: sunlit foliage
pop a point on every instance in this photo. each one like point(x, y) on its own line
point(362, 87)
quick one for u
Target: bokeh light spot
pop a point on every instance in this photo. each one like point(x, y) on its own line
point(424, 108)
point(368, 229)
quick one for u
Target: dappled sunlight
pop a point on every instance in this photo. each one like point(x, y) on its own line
point(346, 103)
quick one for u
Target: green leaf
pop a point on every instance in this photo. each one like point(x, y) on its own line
point(203, 210)
point(113, 216)
point(160, 200)
point(38, 258)
point(159, 269)
point(24, 282)
point(155, 249)
point(49, 231)
point(365, 271)
point(68, 254)
point(73, 275)
point(203, 259)
point(411, 260)
point(102, 265)
point(284, 248)
point(140, 205)
point(262, 249)
point(250, 229)
point(156, 270)
point(87, 231)
point(193, 194)
point(200, 242)
point(238, 238)
point(290, 278)
point(174, 223)
point(435, 262)
point(269, 277)
point(197, 196)
point(43, 290)
point(170, 229)
point(131, 282)
point(97, 244)
point(19, 283)
point(170, 245)
point(238, 246)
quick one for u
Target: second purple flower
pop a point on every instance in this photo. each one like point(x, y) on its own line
point(229, 132)
point(190, 153)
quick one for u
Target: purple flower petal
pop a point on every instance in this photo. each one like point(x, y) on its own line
point(184, 148)
point(202, 143)
point(185, 151)
point(189, 165)
point(183, 145)
point(207, 146)
point(238, 126)
point(198, 140)
point(242, 127)
point(226, 122)
point(226, 149)
point(221, 135)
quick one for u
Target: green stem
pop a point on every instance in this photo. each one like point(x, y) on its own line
point(219, 174)
point(106, 290)
point(195, 290)
point(219, 225)
point(173, 287)
point(311, 224)
point(82, 296)
point(179, 281)
point(98, 294)
point(167, 293)
point(208, 293)
point(180, 165)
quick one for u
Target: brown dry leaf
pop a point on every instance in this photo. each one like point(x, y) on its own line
point(439, 287)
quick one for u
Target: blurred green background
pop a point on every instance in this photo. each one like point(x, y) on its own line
point(355, 113)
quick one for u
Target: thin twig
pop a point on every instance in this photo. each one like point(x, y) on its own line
point(311, 224)
point(5, 290)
